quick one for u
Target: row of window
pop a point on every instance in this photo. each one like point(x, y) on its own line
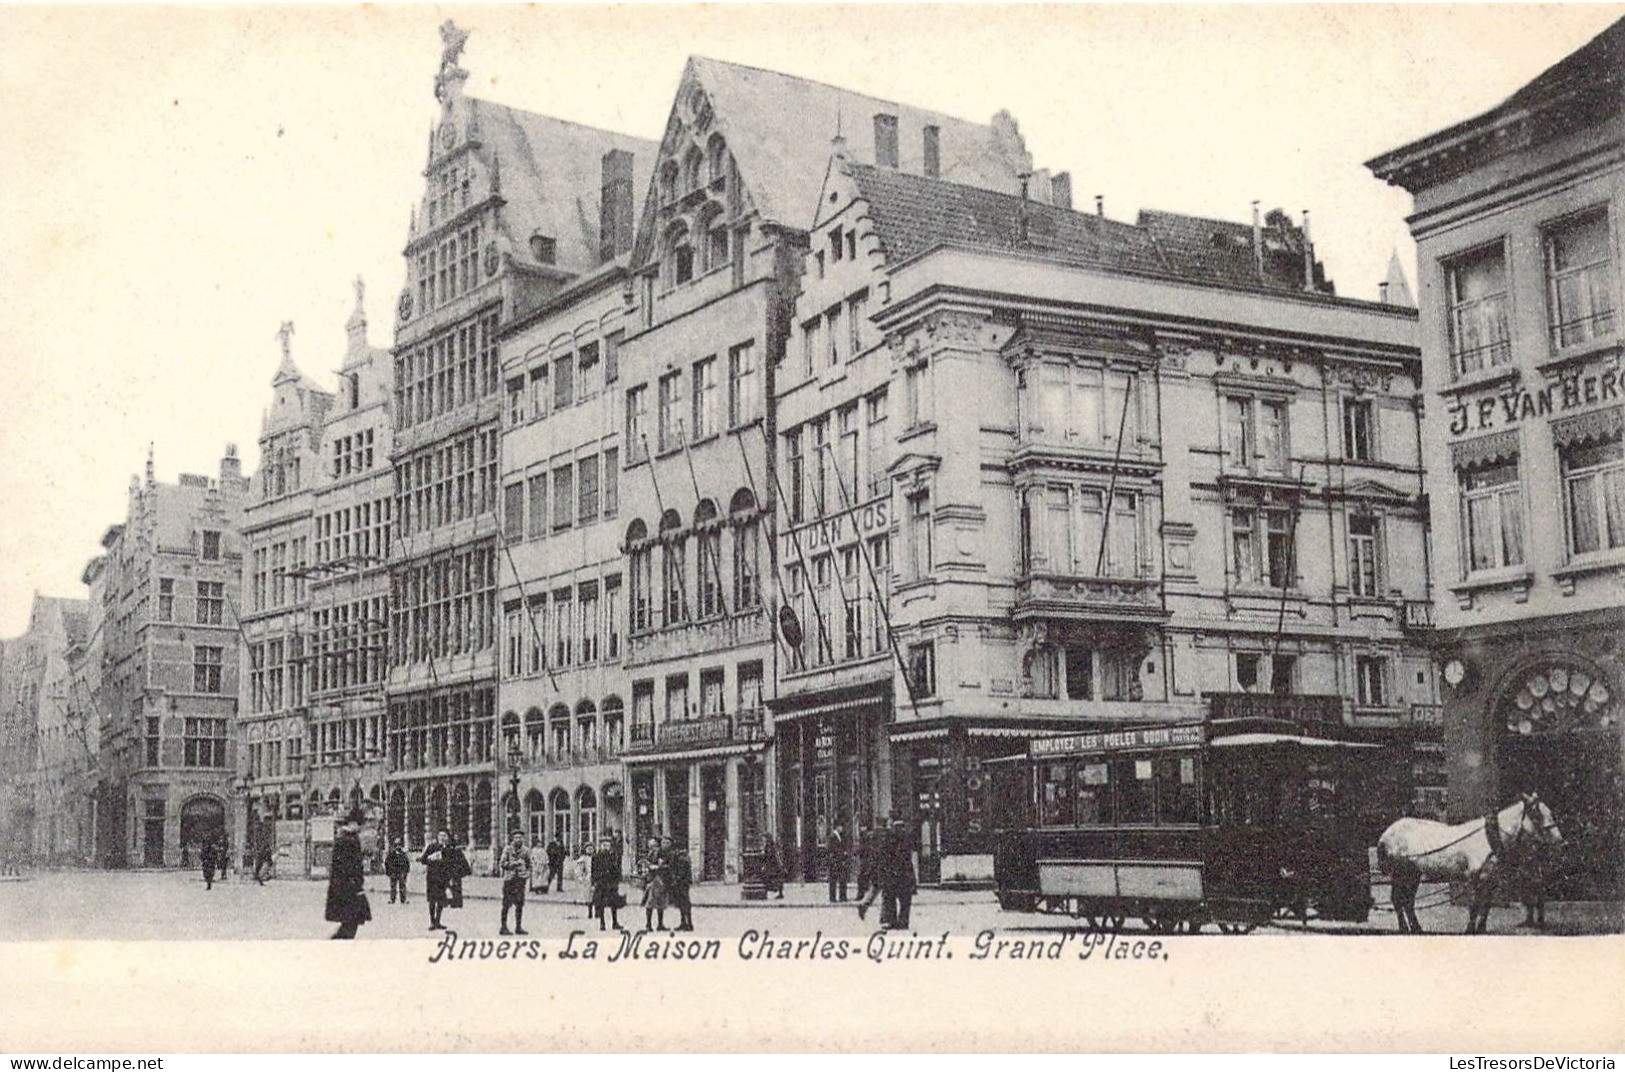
point(203, 742)
point(354, 532)
point(279, 470)
point(691, 405)
point(840, 333)
point(415, 817)
point(209, 608)
point(560, 736)
point(277, 577)
point(276, 675)
point(571, 626)
point(1580, 294)
point(568, 380)
point(447, 372)
point(841, 605)
point(442, 729)
point(714, 584)
point(837, 460)
point(711, 701)
point(347, 645)
point(1492, 506)
point(449, 482)
point(583, 492)
point(450, 268)
point(353, 453)
point(445, 605)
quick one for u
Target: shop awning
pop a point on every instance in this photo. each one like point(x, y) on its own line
point(919, 735)
point(714, 752)
point(1237, 740)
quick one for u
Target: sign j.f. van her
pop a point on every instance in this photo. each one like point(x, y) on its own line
point(1523, 403)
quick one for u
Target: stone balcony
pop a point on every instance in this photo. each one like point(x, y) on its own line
point(692, 638)
point(1109, 599)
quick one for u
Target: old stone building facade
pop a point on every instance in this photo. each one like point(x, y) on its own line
point(169, 585)
point(1517, 223)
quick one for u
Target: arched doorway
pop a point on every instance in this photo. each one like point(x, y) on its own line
point(587, 810)
point(397, 815)
point(203, 820)
point(1559, 723)
point(415, 817)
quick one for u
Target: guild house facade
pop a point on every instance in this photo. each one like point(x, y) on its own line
point(1518, 222)
point(1130, 474)
point(500, 222)
point(170, 583)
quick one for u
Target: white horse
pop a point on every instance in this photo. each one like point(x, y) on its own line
point(1415, 849)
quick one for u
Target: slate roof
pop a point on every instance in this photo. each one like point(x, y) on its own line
point(912, 214)
point(551, 172)
point(779, 128)
point(1595, 65)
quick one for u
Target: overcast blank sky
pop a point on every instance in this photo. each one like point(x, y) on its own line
point(178, 182)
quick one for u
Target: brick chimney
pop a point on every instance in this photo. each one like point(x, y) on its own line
point(615, 220)
point(1060, 190)
point(933, 152)
point(231, 466)
point(886, 141)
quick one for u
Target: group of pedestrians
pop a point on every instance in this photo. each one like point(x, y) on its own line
point(668, 880)
point(885, 873)
point(214, 857)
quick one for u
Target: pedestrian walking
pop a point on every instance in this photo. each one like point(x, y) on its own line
point(655, 894)
point(897, 878)
point(445, 865)
point(838, 859)
point(263, 862)
point(515, 867)
point(679, 881)
point(206, 856)
point(772, 868)
point(868, 857)
point(347, 879)
point(606, 883)
point(555, 864)
point(397, 865)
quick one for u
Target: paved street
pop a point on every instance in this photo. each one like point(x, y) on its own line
point(147, 905)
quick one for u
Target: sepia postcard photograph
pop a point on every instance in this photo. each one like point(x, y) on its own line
point(826, 528)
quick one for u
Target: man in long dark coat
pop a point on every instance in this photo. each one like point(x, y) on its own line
point(555, 864)
point(897, 879)
point(347, 880)
point(441, 862)
point(207, 855)
point(679, 880)
point(838, 859)
point(606, 883)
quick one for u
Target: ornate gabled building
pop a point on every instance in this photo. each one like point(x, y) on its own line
point(510, 214)
point(1517, 223)
point(1106, 474)
point(722, 246)
point(169, 586)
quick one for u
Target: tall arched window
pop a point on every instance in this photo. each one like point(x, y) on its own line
point(438, 819)
point(693, 162)
point(708, 573)
point(716, 157)
point(536, 815)
point(640, 580)
point(587, 809)
point(679, 257)
point(415, 818)
point(746, 551)
point(558, 724)
point(510, 733)
point(535, 735)
point(673, 570)
point(587, 730)
point(668, 181)
point(558, 806)
point(395, 816)
point(714, 226)
point(614, 725)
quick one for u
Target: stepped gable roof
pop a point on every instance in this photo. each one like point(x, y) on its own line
point(779, 126)
point(913, 214)
point(551, 175)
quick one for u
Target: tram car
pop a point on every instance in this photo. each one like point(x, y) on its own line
point(1231, 822)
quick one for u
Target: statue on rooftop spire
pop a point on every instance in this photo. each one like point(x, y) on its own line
point(452, 42)
point(360, 292)
point(284, 335)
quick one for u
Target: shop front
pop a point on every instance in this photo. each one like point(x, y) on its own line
point(701, 783)
point(833, 769)
point(1540, 711)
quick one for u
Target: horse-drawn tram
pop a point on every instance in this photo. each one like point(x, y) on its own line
point(1230, 822)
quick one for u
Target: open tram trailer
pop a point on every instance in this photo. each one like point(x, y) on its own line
point(1231, 821)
